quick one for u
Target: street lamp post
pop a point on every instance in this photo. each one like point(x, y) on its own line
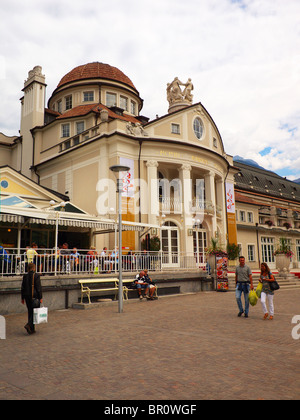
point(62, 206)
point(117, 169)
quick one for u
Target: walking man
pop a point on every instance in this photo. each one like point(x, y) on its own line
point(243, 281)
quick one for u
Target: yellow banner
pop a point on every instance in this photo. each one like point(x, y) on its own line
point(232, 231)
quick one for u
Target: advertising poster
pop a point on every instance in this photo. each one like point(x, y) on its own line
point(222, 272)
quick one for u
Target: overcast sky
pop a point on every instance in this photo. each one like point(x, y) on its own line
point(243, 57)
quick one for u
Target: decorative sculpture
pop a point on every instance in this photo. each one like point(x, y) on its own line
point(175, 94)
point(136, 129)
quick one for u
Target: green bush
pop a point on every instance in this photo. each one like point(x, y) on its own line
point(233, 251)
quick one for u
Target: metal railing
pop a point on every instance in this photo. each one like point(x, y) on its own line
point(14, 262)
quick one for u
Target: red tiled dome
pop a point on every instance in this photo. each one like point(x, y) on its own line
point(95, 71)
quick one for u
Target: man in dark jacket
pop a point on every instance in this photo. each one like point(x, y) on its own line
point(151, 285)
point(31, 289)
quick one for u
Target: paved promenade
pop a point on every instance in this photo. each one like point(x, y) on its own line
point(188, 347)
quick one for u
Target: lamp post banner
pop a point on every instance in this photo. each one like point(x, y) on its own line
point(128, 177)
point(231, 219)
point(230, 200)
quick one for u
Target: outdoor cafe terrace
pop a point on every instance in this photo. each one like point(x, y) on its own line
point(13, 262)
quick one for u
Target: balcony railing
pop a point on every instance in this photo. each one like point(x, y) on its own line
point(265, 211)
point(296, 215)
point(176, 206)
point(171, 205)
point(78, 138)
point(282, 213)
point(198, 205)
point(14, 263)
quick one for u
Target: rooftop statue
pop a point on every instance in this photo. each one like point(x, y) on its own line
point(175, 94)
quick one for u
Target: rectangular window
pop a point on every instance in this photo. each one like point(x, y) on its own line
point(79, 127)
point(250, 217)
point(298, 249)
point(75, 141)
point(88, 96)
point(68, 102)
point(124, 103)
point(242, 216)
point(133, 107)
point(59, 106)
point(111, 99)
point(175, 128)
point(65, 130)
point(251, 255)
point(267, 250)
point(67, 144)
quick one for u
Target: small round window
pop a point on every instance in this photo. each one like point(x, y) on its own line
point(198, 128)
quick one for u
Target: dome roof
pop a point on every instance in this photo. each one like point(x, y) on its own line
point(96, 71)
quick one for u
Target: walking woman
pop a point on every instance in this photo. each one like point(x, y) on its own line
point(266, 294)
point(31, 289)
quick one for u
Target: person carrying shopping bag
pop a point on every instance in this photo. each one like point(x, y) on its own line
point(266, 293)
point(243, 280)
point(31, 293)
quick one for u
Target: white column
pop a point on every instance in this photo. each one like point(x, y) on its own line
point(185, 177)
point(220, 188)
point(153, 209)
point(210, 196)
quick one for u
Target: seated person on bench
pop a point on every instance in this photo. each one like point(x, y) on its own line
point(141, 284)
point(150, 282)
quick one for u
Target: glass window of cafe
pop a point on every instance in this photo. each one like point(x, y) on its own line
point(8, 237)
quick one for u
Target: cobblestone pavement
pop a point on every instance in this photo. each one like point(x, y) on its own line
point(186, 347)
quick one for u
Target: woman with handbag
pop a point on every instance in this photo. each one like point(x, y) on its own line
point(31, 293)
point(266, 277)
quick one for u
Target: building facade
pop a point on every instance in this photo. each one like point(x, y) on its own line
point(180, 176)
point(267, 209)
point(178, 166)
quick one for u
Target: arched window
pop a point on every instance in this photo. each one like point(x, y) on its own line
point(198, 128)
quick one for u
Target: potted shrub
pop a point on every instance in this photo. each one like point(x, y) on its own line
point(214, 247)
point(154, 243)
point(283, 255)
point(287, 225)
point(233, 251)
point(211, 253)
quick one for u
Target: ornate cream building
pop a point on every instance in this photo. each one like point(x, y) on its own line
point(178, 166)
point(181, 185)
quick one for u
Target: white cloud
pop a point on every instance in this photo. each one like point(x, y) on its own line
point(243, 58)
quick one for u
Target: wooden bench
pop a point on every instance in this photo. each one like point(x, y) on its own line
point(86, 290)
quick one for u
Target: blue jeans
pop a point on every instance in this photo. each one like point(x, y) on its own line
point(245, 288)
